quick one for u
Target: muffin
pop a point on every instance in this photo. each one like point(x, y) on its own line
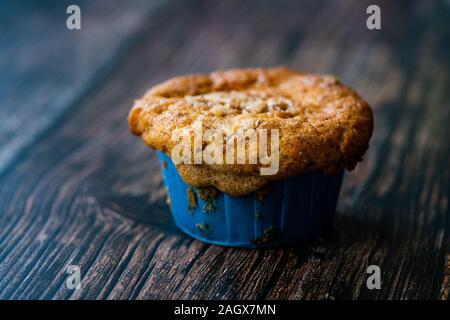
point(253, 157)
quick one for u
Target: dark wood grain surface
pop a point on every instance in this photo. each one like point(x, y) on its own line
point(77, 189)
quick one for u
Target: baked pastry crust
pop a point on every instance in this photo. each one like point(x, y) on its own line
point(323, 125)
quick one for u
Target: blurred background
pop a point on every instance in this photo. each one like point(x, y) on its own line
point(76, 187)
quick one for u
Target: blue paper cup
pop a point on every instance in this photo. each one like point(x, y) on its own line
point(287, 213)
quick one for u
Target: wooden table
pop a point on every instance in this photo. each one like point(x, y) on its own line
point(76, 188)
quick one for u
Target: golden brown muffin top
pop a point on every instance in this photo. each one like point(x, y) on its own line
point(322, 124)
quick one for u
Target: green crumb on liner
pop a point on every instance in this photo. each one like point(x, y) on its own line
point(269, 235)
point(204, 228)
point(262, 193)
point(192, 199)
point(209, 206)
point(208, 194)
